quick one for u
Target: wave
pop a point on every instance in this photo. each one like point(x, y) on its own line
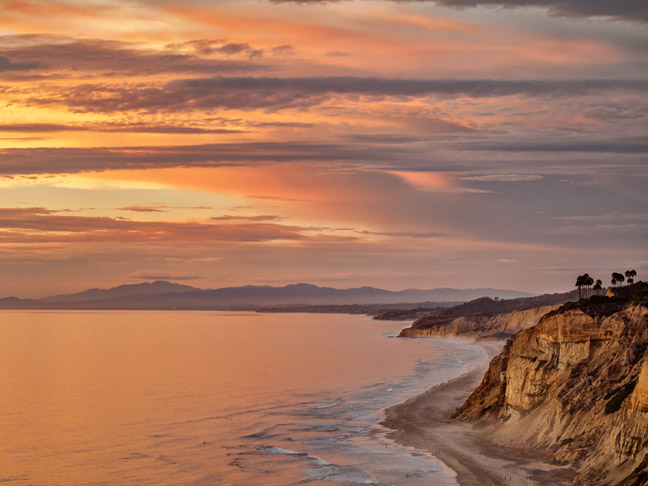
point(328, 405)
point(279, 450)
point(348, 474)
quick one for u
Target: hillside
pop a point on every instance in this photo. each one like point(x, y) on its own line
point(166, 295)
point(158, 287)
point(486, 317)
point(574, 389)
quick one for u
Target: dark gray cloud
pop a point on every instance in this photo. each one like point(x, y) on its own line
point(632, 10)
point(208, 46)
point(144, 209)
point(405, 234)
point(614, 146)
point(248, 93)
point(39, 128)
point(232, 48)
point(401, 153)
point(385, 138)
point(111, 127)
point(57, 54)
point(84, 229)
point(16, 161)
point(7, 65)
point(283, 50)
point(220, 46)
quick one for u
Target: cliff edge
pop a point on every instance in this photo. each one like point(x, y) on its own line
point(499, 326)
point(574, 390)
point(487, 318)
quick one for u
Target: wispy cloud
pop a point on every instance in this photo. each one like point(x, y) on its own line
point(503, 177)
point(73, 160)
point(60, 55)
point(23, 225)
point(629, 10)
point(250, 93)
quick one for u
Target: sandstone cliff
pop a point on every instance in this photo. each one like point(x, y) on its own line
point(574, 389)
point(499, 326)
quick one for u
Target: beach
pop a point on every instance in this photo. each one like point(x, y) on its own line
point(425, 423)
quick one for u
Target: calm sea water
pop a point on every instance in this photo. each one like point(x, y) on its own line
point(212, 398)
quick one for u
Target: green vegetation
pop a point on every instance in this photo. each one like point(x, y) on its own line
point(614, 403)
point(602, 306)
point(630, 275)
point(586, 284)
point(617, 278)
point(584, 281)
point(564, 442)
point(641, 296)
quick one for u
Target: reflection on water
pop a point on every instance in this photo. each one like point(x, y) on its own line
point(180, 398)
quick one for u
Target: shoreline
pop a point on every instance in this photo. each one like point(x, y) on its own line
point(424, 422)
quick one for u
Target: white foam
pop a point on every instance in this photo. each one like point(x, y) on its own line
point(318, 461)
point(348, 474)
point(328, 405)
point(279, 450)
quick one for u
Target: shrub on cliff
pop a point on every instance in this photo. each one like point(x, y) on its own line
point(641, 295)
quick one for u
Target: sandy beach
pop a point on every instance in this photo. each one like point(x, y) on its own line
point(424, 422)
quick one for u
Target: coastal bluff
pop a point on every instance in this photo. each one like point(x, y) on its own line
point(499, 326)
point(487, 318)
point(573, 390)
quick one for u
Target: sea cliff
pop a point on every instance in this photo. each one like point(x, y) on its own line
point(499, 326)
point(573, 390)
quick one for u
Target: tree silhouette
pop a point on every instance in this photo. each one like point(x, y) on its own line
point(630, 275)
point(580, 281)
point(598, 286)
point(588, 282)
point(617, 278)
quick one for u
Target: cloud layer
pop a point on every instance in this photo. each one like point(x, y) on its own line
point(393, 143)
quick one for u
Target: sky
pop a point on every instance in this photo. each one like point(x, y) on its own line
point(398, 144)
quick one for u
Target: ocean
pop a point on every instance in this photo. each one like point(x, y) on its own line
point(212, 398)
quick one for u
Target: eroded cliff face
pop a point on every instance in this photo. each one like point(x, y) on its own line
point(573, 388)
point(500, 326)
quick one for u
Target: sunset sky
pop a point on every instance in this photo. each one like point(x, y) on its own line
point(398, 144)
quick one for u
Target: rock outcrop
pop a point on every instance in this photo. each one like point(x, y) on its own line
point(574, 390)
point(499, 326)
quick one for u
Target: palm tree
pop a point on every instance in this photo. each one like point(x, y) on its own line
point(587, 282)
point(580, 281)
point(630, 275)
point(598, 286)
point(617, 278)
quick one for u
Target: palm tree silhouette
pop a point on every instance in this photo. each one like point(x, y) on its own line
point(617, 278)
point(630, 275)
point(587, 282)
point(580, 281)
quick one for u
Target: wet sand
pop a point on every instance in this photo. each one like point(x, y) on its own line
point(424, 422)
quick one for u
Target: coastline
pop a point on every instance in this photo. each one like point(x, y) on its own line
point(424, 422)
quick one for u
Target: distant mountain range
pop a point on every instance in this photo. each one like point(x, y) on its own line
point(166, 295)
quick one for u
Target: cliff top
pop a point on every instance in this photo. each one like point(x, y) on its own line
point(488, 307)
point(603, 305)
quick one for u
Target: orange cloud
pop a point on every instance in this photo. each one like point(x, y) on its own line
point(425, 180)
point(31, 225)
